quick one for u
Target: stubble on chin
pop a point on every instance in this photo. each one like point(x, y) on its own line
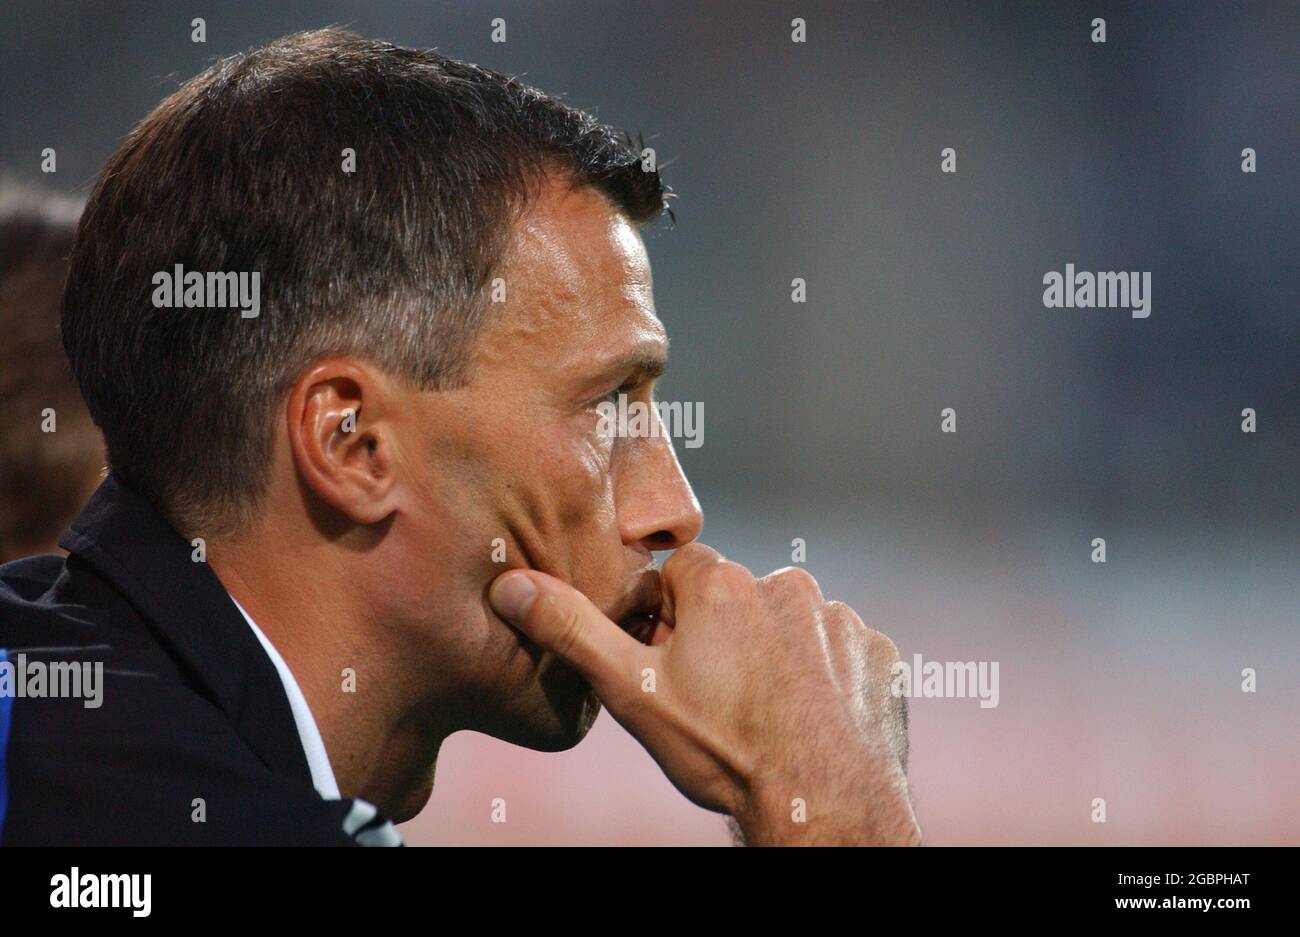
point(570, 698)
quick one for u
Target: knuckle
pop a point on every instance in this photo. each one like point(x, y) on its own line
point(841, 612)
point(795, 580)
point(688, 560)
point(731, 578)
point(689, 554)
point(837, 609)
point(883, 646)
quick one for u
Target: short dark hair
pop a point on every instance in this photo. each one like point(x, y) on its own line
point(241, 169)
point(44, 476)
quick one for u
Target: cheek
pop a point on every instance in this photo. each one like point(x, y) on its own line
point(591, 456)
point(580, 480)
point(552, 484)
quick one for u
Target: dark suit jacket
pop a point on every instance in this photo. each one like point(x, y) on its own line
point(194, 742)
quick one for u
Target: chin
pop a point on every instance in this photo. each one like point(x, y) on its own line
point(565, 729)
point(560, 709)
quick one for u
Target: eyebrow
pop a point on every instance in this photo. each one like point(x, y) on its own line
point(650, 359)
point(651, 363)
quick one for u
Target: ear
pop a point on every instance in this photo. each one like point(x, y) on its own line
point(341, 440)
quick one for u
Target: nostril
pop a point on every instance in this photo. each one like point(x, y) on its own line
point(661, 540)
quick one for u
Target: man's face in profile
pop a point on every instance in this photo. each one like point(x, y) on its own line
point(515, 458)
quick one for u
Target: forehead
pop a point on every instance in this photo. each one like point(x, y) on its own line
point(578, 283)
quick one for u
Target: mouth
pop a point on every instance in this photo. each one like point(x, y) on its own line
point(640, 614)
point(640, 625)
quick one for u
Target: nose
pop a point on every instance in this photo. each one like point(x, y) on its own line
point(656, 507)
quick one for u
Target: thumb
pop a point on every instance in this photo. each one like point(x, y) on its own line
point(564, 621)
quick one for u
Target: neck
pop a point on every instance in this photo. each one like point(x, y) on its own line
point(366, 698)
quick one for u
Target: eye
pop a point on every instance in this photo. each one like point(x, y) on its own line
point(612, 397)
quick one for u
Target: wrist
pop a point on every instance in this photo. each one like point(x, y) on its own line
point(777, 816)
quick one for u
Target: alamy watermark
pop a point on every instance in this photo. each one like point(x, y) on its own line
point(85, 890)
point(1108, 290)
point(178, 289)
point(21, 678)
point(638, 419)
point(949, 679)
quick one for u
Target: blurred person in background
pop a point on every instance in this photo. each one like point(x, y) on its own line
point(50, 452)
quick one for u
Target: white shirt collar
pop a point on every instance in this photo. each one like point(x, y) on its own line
point(313, 746)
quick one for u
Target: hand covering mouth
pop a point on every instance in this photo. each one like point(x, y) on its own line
point(640, 609)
